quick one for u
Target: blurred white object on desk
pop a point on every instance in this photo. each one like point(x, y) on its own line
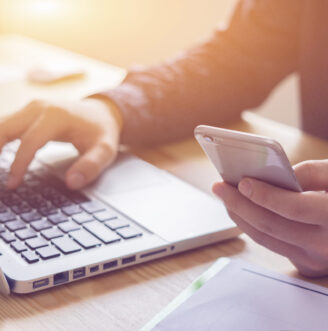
point(53, 71)
point(10, 73)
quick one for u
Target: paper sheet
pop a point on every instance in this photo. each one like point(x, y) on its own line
point(244, 297)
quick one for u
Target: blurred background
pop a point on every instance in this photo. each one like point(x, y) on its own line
point(127, 32)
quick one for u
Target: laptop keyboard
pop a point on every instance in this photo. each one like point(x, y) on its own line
point(43, 220)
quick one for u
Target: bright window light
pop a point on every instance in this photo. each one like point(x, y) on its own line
point(44, 6)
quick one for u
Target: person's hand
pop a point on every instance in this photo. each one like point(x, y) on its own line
point(91, 125)
point(289, 223)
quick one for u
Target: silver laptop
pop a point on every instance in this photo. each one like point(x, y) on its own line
point(134, 213)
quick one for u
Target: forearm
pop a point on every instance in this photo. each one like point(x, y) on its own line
point(214, 82)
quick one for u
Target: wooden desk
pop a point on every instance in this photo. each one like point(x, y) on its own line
point(127, 299)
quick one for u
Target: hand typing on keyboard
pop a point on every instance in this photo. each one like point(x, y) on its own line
point(91, 125)
point(42, 219)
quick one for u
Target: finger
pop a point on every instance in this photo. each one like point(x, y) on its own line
point(305, 207)
point(312, 175)
point(34, 138)
point(13, 126)
point(90, 165)
point(306, 265)
point(265, 221)
point(311, 268)
point(292, 252)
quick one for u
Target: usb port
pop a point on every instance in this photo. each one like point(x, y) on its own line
point(78, 273)
point(110, 264)
point(41, 283)
point(61, 277)
point(95, 268)
point(128, 259)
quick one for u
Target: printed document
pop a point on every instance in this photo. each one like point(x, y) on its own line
point(233, 296)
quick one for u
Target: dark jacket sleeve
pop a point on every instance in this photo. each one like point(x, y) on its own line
point(214, 82)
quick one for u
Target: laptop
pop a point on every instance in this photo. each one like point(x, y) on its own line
point(133, 213)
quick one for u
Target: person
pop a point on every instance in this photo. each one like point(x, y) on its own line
point(212, 84)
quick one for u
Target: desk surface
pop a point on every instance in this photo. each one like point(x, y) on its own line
point(128, 298)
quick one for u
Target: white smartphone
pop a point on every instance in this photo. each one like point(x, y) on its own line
point(237, 155)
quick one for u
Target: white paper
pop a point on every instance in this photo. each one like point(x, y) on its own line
point(245, 297)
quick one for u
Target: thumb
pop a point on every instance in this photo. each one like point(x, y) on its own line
point(90, 165)
point(312, 175)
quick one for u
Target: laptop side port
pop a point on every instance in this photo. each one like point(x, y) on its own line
point(128, 259)
point(110, 264)
point(159, 251)
point(41, 283)
point(61, 277)
point(95, 268)
point(79, 273)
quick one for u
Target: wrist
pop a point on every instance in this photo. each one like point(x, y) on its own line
point(112, 109)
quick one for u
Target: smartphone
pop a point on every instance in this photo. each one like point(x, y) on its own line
point(237, 155)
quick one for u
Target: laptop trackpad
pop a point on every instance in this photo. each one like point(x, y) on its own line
point(127, 174)
point(164, 205)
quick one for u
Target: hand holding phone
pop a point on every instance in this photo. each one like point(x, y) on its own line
point(291, 224)
point(237, 155)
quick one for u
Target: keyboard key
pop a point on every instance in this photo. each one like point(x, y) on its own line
point(68, 226)
point(117, 223)
point(7, 237)
point(71, 210)
point(30, 257)
point(18, 246)
point(82, 218)
point(15, 225)
point(2, 228)
point(21, 208)
point(37, 201)
point(61, 201)
point(48, 210)
point(24, 192)
point(52, 233)
point(25, 234)
point(66, 245)
point(49, 192)
point(57, 218)
point(85, 239)
point(7, 216)
point(11, 199)
point(102, 232)
point(40, 203)
point(105, 215)
point(129, 232)
point(48, 252)
point(77, 197)
point(31, 216)
point(36, 243)
point(41, 225)
point(93, 206)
